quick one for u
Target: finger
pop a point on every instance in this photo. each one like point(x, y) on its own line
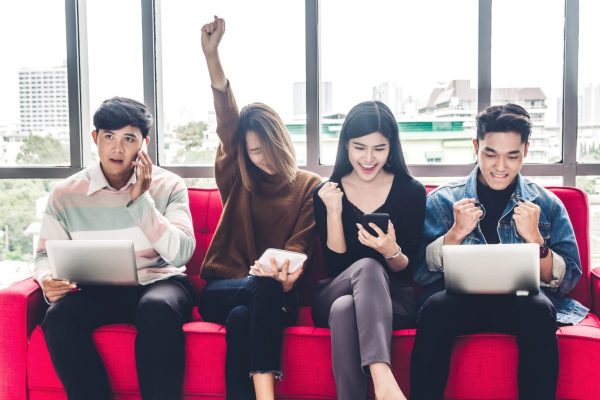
point(464, 201)
point(377, 229)
point(57, 283)
point(294, 275)
point(391, 227)
point(274, 267)
point(285, 269)
point(363, 231)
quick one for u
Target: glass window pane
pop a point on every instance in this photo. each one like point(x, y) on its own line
point(529, 71)
point(115, 60)
point(262, 56)
point(34, 112)
point(591, 184)
point(421, 63)
point(588, 136)
point(22, 203)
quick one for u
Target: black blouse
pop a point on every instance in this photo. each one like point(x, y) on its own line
point(405, 204)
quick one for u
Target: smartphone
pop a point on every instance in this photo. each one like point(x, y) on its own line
point(379, 219)
point(144, 148)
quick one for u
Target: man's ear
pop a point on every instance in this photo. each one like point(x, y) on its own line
point(476, 145)
point(147, 139)
point(95, 136)
point(526, 149)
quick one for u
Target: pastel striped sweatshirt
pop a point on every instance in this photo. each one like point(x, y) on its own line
point(85, 206)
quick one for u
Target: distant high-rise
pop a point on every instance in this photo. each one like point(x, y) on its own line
point(391, 95)
point(589, 105)
point(300, 98)
point(43, 98)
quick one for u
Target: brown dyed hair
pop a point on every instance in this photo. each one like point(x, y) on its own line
point(275, 140)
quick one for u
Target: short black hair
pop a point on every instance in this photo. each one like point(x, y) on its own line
point(505, 118)
point(118, 112)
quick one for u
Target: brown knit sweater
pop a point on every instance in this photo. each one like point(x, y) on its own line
point(278, 215)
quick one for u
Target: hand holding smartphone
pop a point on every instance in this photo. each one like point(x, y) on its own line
point(144, 148)
point(379, 219)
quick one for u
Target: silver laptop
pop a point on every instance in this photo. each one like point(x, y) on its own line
point(97, 262)
point(492, 268)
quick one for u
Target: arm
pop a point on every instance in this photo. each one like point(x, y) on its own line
point(336, 261)
point(171, 234)
point(413, 225)
point(228, 116)
point(427, 266)
point(53, 228)
point(565, 264)
point(303, 235)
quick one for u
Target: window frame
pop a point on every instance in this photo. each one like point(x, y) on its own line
point(78, 90)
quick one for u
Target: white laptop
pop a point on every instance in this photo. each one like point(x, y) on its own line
point(97, 262)
point(492, 268)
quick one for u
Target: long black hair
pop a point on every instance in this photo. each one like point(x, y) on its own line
point(363, 119)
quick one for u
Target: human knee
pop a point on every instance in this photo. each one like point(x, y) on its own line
point(369, 268)
point(536, 312)
point(267, 290)
point(156, 311)
point(238, 319)
point(437, 307)
point(341, 310)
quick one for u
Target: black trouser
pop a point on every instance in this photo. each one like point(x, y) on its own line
point(444, 316)
point(252, 310)
point(158, 311)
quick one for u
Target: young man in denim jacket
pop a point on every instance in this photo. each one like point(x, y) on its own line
point(495, 204)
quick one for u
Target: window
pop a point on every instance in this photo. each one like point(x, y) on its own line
point(114, 57)
point(528, 74)
point(22, 203)
point(591, 185)
point(41, 143)
point(262, 56)
point(422, 64)
point(588, 136)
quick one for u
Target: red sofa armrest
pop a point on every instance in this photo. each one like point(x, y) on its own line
point(22, 307)
point(595, 273)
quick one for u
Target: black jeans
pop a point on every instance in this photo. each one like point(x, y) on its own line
point(444, 316)
point(158, 311)
point(253, 312)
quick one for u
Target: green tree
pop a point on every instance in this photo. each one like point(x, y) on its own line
point(191, 134)
point(17, 211)
point(586, 184)
point(38, 150)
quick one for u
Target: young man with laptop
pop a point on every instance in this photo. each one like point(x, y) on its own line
point(121, 197)
point(494, 205)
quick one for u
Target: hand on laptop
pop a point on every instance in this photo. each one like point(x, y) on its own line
point(56, 289)
point(466, 217)
point(527, 216)
point(144, 178)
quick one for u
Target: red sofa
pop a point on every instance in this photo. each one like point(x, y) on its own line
point(484, 366)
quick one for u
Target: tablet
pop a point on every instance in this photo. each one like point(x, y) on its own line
point(296, 259)
point(95, 262)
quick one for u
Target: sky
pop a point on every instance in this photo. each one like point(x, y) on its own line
point(414, 44)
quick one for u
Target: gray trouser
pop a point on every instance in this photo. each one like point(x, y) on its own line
point(359, 310)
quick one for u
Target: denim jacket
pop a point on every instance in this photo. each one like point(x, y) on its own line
point(554, 225)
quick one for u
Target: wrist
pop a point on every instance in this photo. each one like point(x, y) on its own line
point(390, 255)
point(453, 237)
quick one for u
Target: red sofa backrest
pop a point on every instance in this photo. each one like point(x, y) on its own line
point(205, 205)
